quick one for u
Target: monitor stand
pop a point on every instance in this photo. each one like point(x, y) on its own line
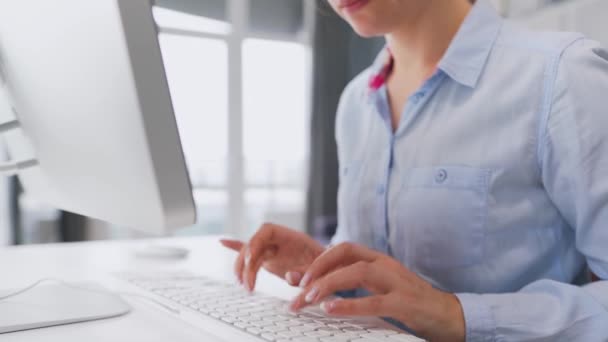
point(48, 305)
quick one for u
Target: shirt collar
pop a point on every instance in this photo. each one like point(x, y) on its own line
point(466, 56)
point(468, 53)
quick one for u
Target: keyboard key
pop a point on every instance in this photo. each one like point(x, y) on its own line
point(229, 319)
point(327, 320)
point(403, 338)
point(269, 336)
point(346, 335)
point(310, 315)
point(317, 333)
point(364, 325)
point(287, 323)
point(260, 315)
point(275, 328)
point(336, 339)
point(242, 325)
point(204, 310)
point(382, 331)
point(330, 330)
point(254, 330)
point(275, 318)
point(261, 324)
point(305, 339)
point(289, 334)
point(304, 321)
point(301, 328)
point(340, 326)
point(355, 329)
point(374, 336)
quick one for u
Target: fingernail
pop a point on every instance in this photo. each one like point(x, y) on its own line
point(328, 306)
point(247, 257)
point(291, 277)
point(305, 280)
point(311, 295)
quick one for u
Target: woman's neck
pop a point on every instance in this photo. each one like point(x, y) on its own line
point(422, 42)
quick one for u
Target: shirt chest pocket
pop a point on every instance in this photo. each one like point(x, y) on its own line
point(441, 214)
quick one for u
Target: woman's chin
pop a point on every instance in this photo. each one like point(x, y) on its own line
point(368, 26)
point(366, 31)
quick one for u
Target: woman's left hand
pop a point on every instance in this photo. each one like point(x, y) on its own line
point(396, 292)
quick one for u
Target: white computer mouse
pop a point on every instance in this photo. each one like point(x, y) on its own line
point(161, 252)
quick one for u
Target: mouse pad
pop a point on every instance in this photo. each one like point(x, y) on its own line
point(56, 304)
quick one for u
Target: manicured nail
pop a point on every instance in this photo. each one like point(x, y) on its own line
point(249, 285)
point(328, 306)
point(305, 280)
point(247, 257)
point(244, 281)
point(292, 277)
point(311, 295)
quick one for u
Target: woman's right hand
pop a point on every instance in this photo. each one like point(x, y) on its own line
point(280, 250)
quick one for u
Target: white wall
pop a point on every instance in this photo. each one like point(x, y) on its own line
point(586, 16)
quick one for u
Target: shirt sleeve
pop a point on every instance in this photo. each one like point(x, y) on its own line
point(574, 160)
point(346, 133)
point(341, 234)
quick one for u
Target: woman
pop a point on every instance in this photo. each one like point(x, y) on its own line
point(473, 201)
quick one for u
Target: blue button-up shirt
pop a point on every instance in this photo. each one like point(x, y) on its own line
point(495, 184)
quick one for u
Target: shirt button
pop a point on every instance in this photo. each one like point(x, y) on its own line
point(417, 97)
point(441, 176)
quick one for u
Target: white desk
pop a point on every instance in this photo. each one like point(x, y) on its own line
point(95, 261)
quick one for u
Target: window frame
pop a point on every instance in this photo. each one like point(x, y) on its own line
point(238, 18)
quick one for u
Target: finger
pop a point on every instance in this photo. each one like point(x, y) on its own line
point(254, 269)
point(239, 264)
point(293, 278)
point(366, 306)
point(358, 275)
point(340, 255)
point(256, 249)
point(235, 245)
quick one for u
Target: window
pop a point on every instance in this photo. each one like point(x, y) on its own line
point(275, 113)
point(240, 88)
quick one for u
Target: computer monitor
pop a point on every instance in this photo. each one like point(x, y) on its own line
point(97, 134)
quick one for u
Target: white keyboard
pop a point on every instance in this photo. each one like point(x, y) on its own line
point(263, 316)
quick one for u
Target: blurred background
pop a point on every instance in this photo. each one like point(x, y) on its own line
point(255, 85)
